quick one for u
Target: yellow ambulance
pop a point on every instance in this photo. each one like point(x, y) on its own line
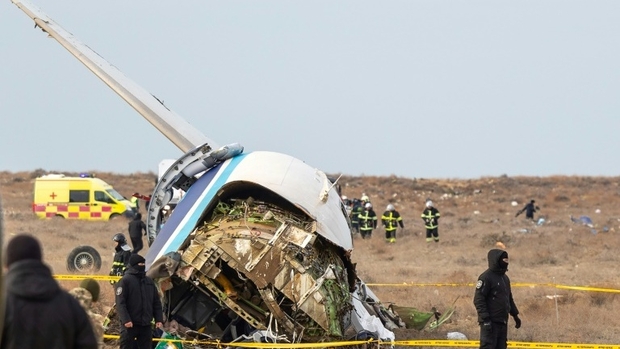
point(84, 197)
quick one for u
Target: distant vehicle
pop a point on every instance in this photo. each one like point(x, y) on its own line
point(56, 195)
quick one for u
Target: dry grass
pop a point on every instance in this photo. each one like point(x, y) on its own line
point(476, 214)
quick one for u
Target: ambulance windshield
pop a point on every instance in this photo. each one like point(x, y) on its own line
point(113, 193)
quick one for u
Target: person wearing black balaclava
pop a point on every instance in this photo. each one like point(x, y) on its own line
point(138, 303)
point(494, 302)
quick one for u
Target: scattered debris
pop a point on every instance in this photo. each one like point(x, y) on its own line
point(584, 220)
point(554, 296)
point(457, 336)
point(541, 221)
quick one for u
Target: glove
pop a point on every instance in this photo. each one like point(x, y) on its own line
point(517, 321)
point(486, 326)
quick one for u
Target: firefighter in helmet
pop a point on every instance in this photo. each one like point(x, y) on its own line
point(391, 219)
point(122, 252)
point(368, 221)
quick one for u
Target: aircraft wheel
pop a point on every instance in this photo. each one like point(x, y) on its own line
point(84, 258)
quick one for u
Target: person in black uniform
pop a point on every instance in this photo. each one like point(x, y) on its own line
point(135, 229)
point(529, 209)
point(122, 252)
point(494, 302)
point(138, 303)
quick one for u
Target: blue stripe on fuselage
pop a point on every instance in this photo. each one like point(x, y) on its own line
point(191, 204)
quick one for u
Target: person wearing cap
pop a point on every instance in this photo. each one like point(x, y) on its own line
point(391, 219)
point(430, 216)
point(137, 303)
point(38, 313)
point(87, 294)
point(493, 301)
point(368, 221)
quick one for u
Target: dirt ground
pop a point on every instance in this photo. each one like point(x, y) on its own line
point(548, 255)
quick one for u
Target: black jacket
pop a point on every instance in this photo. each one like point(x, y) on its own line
point(137, 299)
point(368, 219)
point(493, 297)
point(430, 216)
point(122, 252)
point(136, 227)
point(39, 314)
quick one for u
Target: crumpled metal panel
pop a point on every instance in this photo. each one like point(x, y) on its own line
point(282, 257)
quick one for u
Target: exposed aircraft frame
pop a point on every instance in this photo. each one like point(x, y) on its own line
point(258, 248)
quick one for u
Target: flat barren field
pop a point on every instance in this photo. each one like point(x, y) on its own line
point(546, 254)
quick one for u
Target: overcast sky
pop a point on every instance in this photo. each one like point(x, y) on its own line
point(424, 89)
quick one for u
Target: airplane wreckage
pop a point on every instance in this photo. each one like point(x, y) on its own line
point(258, 248)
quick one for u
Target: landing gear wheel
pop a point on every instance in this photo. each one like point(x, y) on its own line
point(83, 258)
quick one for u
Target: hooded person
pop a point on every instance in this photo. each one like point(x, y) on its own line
point(87, 294)
point(137, 303)
point(38, 313)
point(136, 229)
point(493, 301)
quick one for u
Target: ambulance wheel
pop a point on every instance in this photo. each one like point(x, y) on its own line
point(114, 216)
point(84, 258)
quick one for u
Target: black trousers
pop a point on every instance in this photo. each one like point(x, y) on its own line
point(142, 336)
point(366, 233)
point(137, 243)
point(434, 232)
point(494, 337)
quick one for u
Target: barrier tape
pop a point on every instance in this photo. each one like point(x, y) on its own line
point(404, 284)
point(522, 284)
point(511, 344)
point(416, 343)
point(259, 345)
point(82, 277)
point(410, 343)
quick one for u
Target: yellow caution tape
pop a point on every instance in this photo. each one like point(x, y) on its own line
point(404, 284)
point(410, 343)
point(511, 344)
point(565, 287)
point(82, 277)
